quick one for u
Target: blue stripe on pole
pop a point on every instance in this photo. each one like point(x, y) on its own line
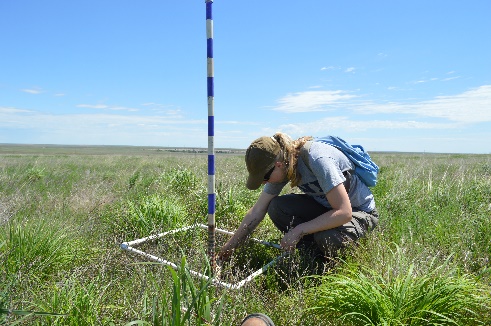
point(211, 164)
point(211, 203)
point(210, 89)
point(211, 125)
point(209, 47)
point(208, 9)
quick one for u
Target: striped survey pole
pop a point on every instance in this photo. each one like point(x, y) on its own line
point(211, 134)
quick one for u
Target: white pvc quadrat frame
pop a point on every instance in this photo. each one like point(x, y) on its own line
point(129, 246)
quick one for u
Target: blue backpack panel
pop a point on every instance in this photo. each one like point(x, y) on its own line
point(366, 169)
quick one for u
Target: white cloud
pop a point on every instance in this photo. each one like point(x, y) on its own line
point(122, 108)
point(311, 101)
point(10, 110)
point(109, 129)
point(32, 90)
point(328, 125)
point(472, 106)
point(106, 107)
point(37, 120)
point(350, 69)
point(450, 78)
point(176, 112)
point(469, 107)
point(166, 109)
point(427, 80)
point(92, 106)
point(440, 113)
point(328, 68)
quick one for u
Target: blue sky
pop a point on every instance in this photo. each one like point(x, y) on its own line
point(390, 75)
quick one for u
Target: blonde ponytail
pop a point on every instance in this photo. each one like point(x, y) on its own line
point(290, 149)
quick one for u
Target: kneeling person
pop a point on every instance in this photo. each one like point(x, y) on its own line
point(335, 209)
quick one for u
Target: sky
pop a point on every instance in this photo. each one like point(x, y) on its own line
point(408, 76)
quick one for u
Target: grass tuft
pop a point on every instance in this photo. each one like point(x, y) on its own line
point(37, 248)
point(360, 295)
point(150, 214)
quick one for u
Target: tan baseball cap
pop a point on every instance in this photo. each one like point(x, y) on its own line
point(260, 158)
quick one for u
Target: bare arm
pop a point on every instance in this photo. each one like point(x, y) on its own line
point(251, 220)
point(340, 214)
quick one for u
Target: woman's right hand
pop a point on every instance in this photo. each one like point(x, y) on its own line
point(251, 220)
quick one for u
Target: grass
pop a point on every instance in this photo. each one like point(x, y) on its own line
point(65, 210)
point(401, 295)
point(40, 246)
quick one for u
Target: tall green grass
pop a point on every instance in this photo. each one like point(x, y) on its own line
point(78, 302)
point(401, 295)
point(440, 206)
point(150, 214)
point(186, 304)
point(37, 248)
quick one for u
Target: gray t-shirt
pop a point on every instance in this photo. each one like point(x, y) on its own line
point(327, 165)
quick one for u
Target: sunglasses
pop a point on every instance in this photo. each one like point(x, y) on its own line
point(267, 176)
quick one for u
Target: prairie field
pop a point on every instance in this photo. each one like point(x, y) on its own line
point(65, 210)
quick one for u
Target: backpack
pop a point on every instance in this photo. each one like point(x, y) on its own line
point(365, 168)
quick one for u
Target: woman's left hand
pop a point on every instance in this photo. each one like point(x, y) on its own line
point(291, 238)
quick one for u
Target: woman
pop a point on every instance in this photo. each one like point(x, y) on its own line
point(335, 209)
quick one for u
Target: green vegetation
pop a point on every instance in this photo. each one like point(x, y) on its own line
point(359, 295)
point(64, 211)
